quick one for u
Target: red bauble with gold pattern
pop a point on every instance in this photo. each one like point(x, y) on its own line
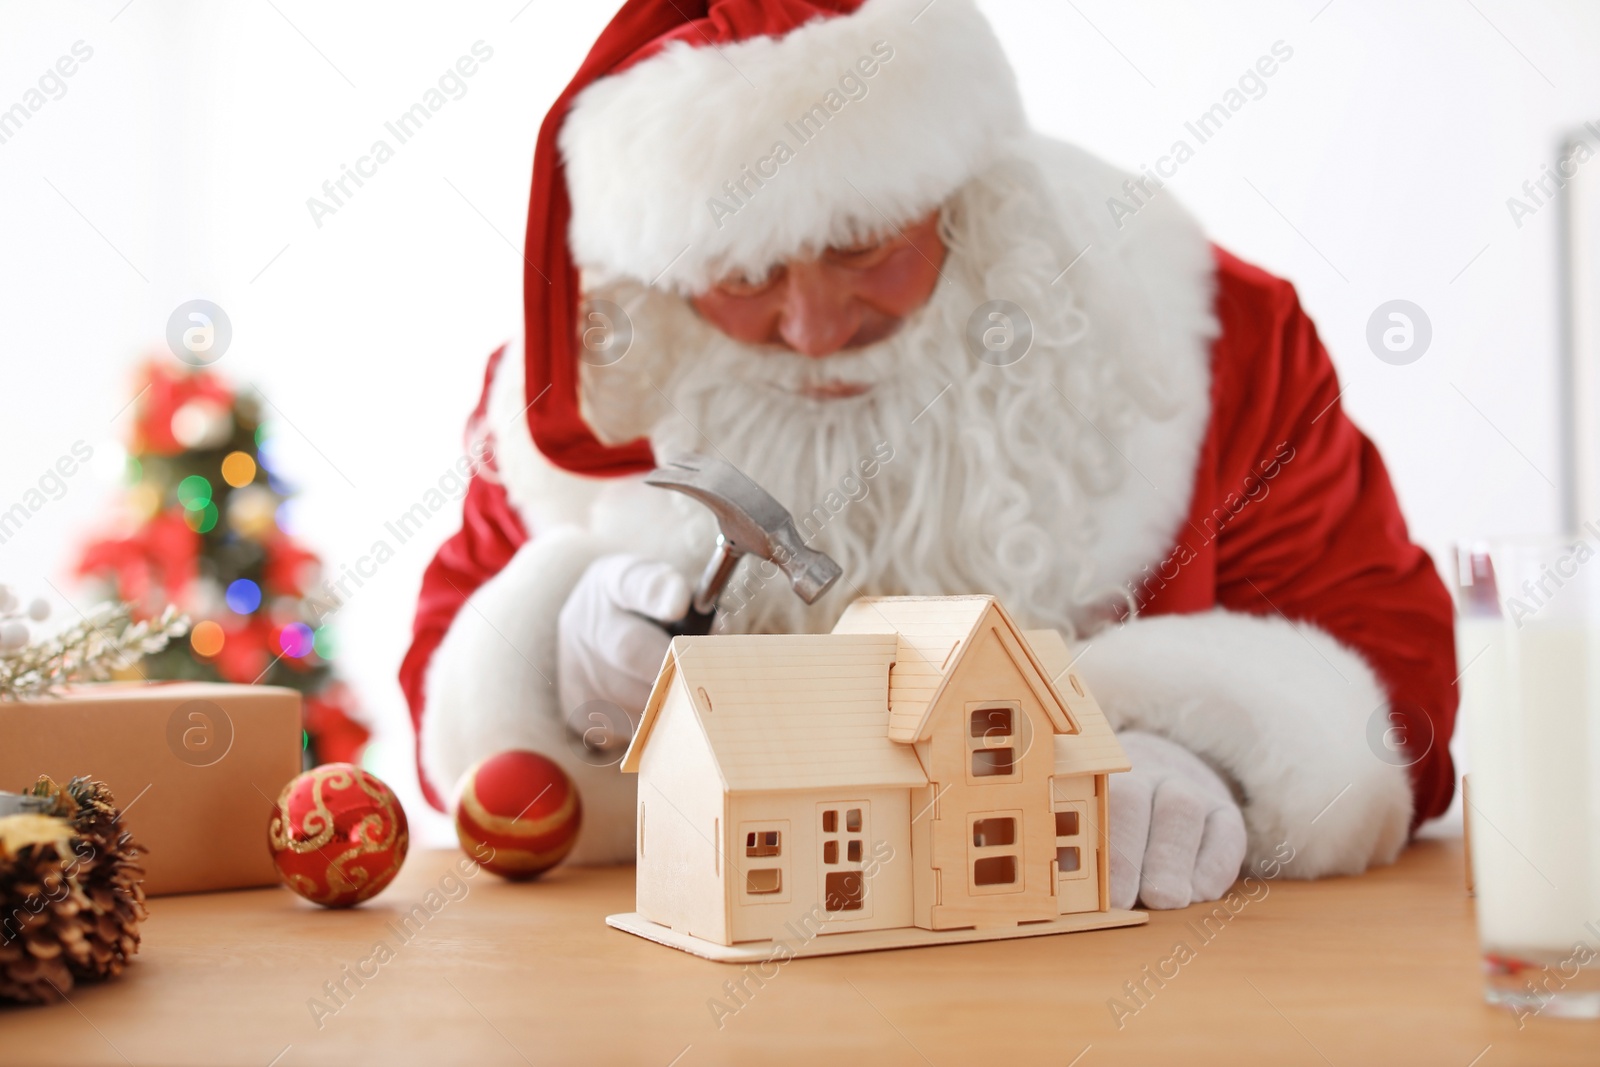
point(518, 814)
point(338, 835)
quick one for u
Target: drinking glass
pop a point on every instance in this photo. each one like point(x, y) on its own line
point(1528, 644)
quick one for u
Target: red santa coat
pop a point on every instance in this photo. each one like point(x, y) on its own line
point(1294, 545)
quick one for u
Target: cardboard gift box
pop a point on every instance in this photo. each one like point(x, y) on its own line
point(196, 768)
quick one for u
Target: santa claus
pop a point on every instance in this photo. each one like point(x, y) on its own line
point(818, 239)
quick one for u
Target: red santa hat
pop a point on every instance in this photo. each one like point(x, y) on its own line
point(702, 137)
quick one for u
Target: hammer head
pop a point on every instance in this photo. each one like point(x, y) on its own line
point(751, 522)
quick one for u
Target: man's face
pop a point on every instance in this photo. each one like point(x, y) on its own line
point(844, 299)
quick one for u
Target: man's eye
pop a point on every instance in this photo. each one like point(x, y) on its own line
point(860, 255)
point(744, 285)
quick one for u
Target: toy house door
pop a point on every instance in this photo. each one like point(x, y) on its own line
point(843, 830)
point(1077, 860)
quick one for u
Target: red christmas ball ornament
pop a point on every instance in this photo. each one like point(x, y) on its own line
point(518, 814)
point(338, 835)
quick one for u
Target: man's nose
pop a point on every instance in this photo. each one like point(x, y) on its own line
point(819, 315)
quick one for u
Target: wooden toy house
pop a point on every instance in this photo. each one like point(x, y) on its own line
point(926, 773)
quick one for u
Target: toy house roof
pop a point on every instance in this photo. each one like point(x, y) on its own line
point(932, 635)
point(787, 712)
point(1095, 749)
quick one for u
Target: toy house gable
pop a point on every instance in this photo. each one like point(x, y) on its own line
point(681, 809)
point(987, 742)
point(666, 678)
point(934, 636)
point(1094, 749)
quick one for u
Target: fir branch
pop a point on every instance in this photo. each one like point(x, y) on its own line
point(104, 641)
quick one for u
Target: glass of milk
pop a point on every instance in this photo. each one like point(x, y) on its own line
point(1528, 647)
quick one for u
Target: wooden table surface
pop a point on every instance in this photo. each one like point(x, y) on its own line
point(1375, 970)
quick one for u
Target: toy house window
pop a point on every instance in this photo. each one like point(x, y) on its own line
point(843, 842)
point(851, 835)
point(992, 722)
point(1072, 855)
point(844, 890)
point(763, 880)
point(764, 864)
point(987, 833)
point(990, 740)
point(852, 822)
point(762, 843)
point(994, 853)
point(995, 870)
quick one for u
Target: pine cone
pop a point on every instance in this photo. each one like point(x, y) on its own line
point(71, 893)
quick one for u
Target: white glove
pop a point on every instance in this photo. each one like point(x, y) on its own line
point(1177, 836)
point(608, 649)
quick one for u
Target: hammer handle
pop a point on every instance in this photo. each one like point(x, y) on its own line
point(703, 608)
point(695, 624)
point(714, 579)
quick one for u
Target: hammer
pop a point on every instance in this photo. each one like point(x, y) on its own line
point(751, 523)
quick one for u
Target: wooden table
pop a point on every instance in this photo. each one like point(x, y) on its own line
point(1375, 970)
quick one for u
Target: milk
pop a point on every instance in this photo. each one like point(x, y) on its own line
point(1531, 708)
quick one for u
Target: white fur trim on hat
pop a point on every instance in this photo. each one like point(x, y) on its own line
point(700, 161)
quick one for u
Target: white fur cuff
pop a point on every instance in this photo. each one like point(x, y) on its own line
point(491, 687)
point(1281, 707)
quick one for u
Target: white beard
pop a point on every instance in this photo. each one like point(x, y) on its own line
point(950, 475)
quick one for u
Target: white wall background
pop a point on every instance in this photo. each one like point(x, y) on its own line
point(178, 164)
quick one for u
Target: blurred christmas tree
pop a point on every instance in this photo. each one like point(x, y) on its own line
point(204, 531)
